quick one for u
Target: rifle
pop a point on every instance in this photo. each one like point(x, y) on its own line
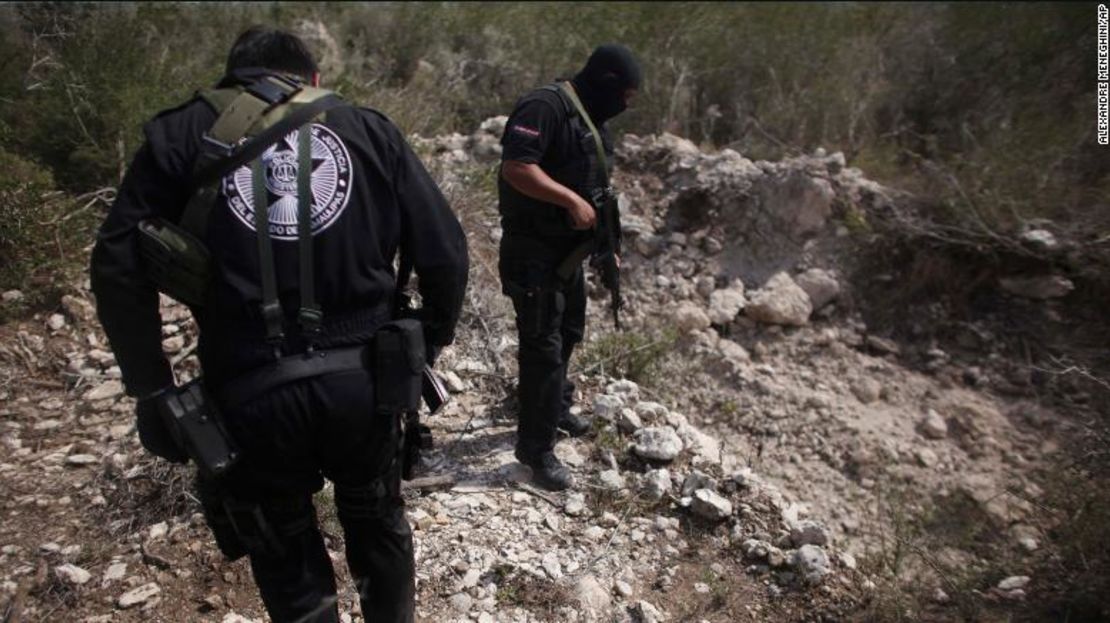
point(602, 249)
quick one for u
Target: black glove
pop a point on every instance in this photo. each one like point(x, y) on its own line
point(153, 434)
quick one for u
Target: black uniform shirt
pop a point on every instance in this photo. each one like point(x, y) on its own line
point(539, 131)
point(372, 197)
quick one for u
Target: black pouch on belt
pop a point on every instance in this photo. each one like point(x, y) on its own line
point(196, 425)
point(175, 261)
point(398, 365)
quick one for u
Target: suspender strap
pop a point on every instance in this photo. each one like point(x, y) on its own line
point(271, 307)
point(309, 316)
point(602, 160)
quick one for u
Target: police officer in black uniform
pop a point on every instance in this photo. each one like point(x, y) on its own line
point(550, 169)
point(371, 197)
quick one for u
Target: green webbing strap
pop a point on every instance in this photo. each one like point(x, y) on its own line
point(309, 315)
point(570, 264)
point(569, 90)
point(271, 307)
point(274, 124)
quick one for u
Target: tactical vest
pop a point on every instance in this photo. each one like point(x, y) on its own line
point(582, 172)
point(251, 117)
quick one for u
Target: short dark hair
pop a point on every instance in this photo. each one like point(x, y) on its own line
point(270, 48)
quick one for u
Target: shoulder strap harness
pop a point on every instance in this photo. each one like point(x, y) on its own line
point(251, 118)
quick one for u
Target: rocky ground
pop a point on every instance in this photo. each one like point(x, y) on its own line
point(752, 466)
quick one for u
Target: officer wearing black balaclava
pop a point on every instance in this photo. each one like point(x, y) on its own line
point(550, 168)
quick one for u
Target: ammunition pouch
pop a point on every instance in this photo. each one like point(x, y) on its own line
point(195, 423)
point(176, 262)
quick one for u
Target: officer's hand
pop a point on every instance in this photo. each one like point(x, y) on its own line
point(153, 433)
point(582, 214)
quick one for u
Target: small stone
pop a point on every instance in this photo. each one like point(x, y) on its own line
point(11, 297)
point(812, 562)
point(455, 385)
point(697, 480)
point(708, 504)
point(606, 406)
point(648, 613)
point(688, 316)
point(470, 579)
point(726, 303)
point(138, 595)
point(590, 595)
point(847, 560)
point(628, 421)
point(701, 588)
point(809, 532)
point(1028, 543)
point(1038, 288)
point(940, 596)
point(593, 533)
point(214, 601)
point(933, 426)
point(659, 443)
point(628, 390)
point(821, 286)
point(56, 322)
point(780, 301)
point(81, 459)
point(574, 506)
point(107, 389)
point(611, 479)
point(461, 602)
point(1040, 239)
point(867, 390)
point(72, 574)
point(656, 483)
point(550, 563)
point(624, 589)
point(158, 530)
point(882, 345)
point(609, 520)
point(1014, 582)
point(926, 457)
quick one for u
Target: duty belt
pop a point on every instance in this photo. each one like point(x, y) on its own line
point(293, 368)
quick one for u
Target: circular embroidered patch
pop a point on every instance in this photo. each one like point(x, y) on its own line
point(331, 184)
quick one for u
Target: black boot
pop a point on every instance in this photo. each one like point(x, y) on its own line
point(573, 425)
point(548, 471)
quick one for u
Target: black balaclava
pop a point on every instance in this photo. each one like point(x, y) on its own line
point(609, 71)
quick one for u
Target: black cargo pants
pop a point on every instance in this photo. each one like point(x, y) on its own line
point(550, 321)
point(290, 439)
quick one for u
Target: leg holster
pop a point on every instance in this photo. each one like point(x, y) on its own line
point(243, 527)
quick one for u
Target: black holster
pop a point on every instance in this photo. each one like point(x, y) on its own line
point(194, 421)
point(398, 382)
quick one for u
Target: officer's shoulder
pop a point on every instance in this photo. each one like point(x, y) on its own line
point(193, 106)
point(375, 121)
point(546, 94)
